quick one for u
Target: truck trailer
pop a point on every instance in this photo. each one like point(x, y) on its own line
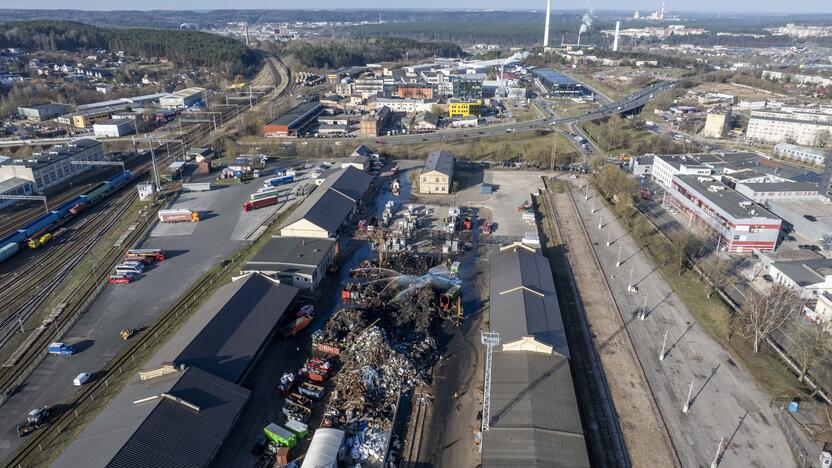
point(260, 203)
point(178, 216)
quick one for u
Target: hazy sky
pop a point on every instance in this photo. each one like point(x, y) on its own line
point(750, 6)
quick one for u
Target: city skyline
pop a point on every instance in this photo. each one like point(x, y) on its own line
point(743, 6)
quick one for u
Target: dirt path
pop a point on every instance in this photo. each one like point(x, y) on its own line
point(645, 434)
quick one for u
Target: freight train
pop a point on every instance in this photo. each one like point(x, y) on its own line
point(38, 231)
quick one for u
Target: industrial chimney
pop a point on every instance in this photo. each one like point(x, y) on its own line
point(615, 41)
point(546, 31)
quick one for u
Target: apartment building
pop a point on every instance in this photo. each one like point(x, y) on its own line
point(794, 125)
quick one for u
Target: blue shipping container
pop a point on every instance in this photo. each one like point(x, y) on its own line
point(41, 223)
point(279, 181)
point(117, 181)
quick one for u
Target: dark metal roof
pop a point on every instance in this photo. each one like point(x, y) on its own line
point(440, 161)
point(174, 434)
point(554, 78)
point(535, 420)
point(159, 432)
point(332, 201)
point(523, 298)
point(248, 310)
point(299, 114)
point(293, 251)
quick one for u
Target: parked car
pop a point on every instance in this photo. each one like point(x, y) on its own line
point(768, 278)
point(120, 279)
point(810, 217)
point(81, 379)
point(813, 248)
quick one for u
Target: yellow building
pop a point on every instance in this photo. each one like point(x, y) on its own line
point(464, 108)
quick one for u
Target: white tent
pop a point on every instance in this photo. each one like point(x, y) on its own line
point(323, 450)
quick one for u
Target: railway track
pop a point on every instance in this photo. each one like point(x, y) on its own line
point(12, 377)
point(609, 329)
point(605, 441)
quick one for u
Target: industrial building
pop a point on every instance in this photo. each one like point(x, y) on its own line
point(776, 191)
point(43, 112)
point(179, 411)
point(295, 121)
point(665, 167)
point(738, 224)
point(438, 173)
point(815, 156)
point(13, 186)
point(407, 105)
point(809, 278)
point(325, 210)
point(534, 418)
point(358, 161)
point(458, 109)
point(558, 84)
point(295, 261)
point(373, 125)
point(414, 91)
point(717, 123)
point(114, 128)
point(423, 121)
point(182, 99)
point(53, 166)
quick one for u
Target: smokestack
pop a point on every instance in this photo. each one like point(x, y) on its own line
point(546, 31)
point(245, 26)
point(579, 36)
point(615, 41)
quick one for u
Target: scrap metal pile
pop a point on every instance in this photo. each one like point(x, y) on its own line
point(387, 347)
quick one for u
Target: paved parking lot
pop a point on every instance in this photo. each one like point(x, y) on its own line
point(193, 248)
point(727, 404)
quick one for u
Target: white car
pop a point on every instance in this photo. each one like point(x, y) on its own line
point(81, 379)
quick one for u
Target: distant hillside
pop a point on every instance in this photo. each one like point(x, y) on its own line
point(189, 48)
point(359, 51)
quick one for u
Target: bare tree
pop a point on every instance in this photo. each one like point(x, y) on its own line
point(717, 271)
point(762, 314)
point(683, 249)
point(808, 339)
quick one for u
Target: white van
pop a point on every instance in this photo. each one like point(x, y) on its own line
point(131, 269)
point(81, 379)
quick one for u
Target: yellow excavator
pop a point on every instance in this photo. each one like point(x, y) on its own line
point(127, 333)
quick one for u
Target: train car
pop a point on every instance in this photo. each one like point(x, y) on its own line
point(65, 209)
point(75, 210)
point(118, 180)
point(40, 223)
point(8, 250)
point(96, 192)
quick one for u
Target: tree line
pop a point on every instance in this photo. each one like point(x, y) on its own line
point(360, 51)
point(188, 48)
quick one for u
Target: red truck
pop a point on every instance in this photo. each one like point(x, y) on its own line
point(253, 205)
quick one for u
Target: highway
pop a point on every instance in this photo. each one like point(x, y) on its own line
point(626, 104)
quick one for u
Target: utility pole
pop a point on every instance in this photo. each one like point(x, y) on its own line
point(592, 209)
point(609, 233)
point(664, 343)
point(643, 312)
point(601, 222)
point(687, 401)
point(715, 463)
point(490, 340)
point(586, 197)
point(618, 262)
